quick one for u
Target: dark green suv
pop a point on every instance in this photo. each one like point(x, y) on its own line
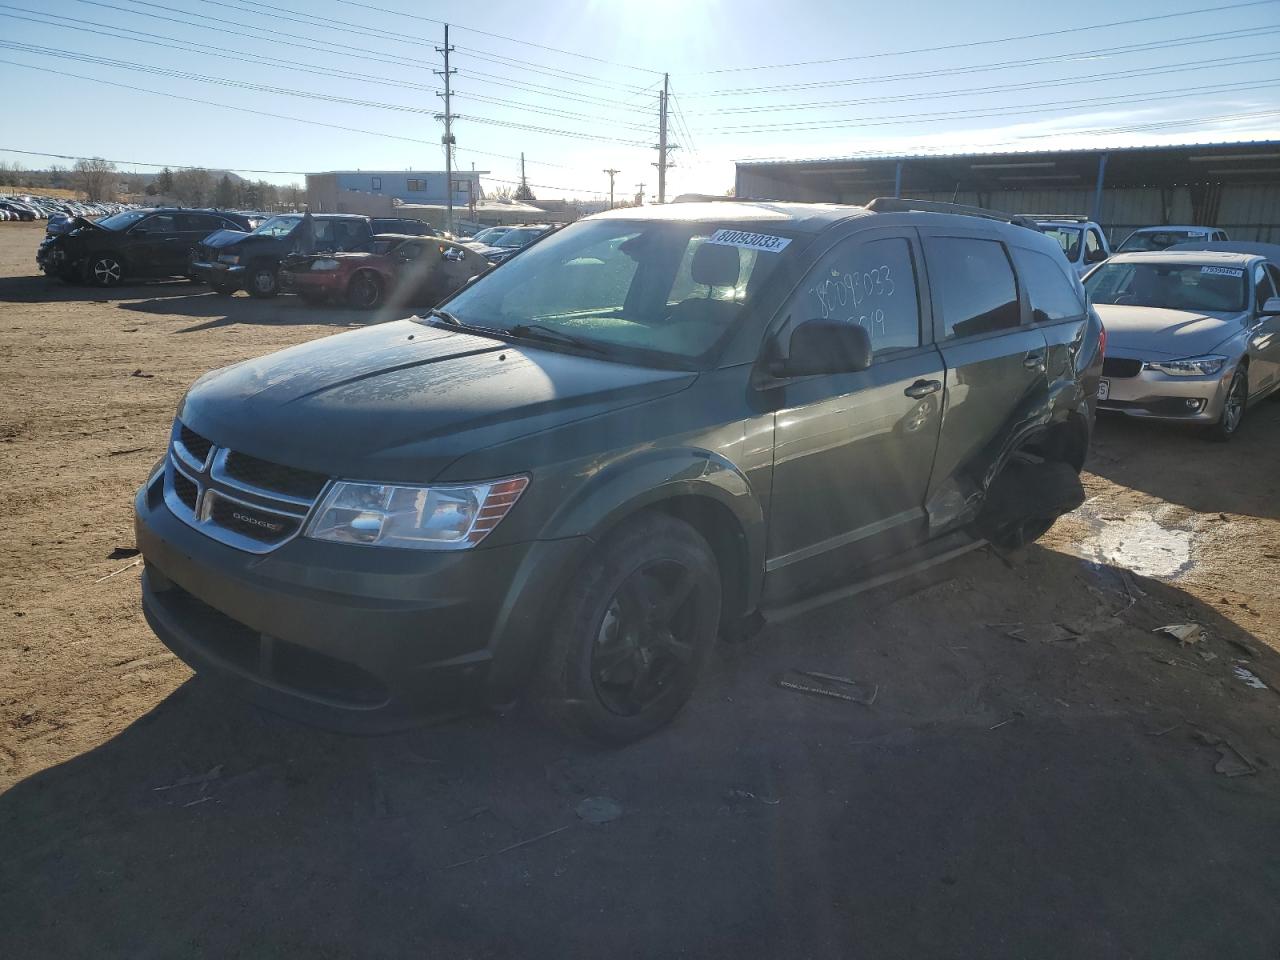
point(652, 427)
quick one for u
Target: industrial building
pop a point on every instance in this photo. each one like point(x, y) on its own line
point(1235, 186)
point(335, 191)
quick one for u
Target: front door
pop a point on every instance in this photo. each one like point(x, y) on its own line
point(853, 452)
point(996, 364)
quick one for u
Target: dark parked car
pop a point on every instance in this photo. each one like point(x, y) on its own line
point(404, 226)
point(647, 429)
point(251, 261)
point(505, 243)
point(399, 271)
point(135, 243)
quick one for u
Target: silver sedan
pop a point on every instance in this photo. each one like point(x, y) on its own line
point(1191, 336)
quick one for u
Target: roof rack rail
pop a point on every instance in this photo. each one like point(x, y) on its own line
point(903, 205)
point(1063, 217)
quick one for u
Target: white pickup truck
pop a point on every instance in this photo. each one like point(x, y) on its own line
point(1083, 242)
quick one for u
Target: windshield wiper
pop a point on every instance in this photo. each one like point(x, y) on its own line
point(539, 331)
point(446, 316)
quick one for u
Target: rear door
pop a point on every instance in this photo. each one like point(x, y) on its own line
point(1058, 309)
point(1264, 335)
point(995, 359)
point(853, 451)
point(155, 247)
point(192, 228)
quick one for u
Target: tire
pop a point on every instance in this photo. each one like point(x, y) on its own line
point(1233, 407)
point(633, 632)
point(1026, 499)
point(264, 281)
point(364, 292)
point(104, 270)
point(222, 289)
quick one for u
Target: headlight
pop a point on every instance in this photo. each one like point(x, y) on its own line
point(423, 518)
point(324, 264)
point(1191, 367)
point(232, 258)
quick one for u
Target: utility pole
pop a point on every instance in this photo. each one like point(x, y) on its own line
point(639, 194)
point(612, 173)
point(524, 183)
point(447, 139)
point(664, 148)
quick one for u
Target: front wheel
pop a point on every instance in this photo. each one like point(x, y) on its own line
point(1233, 407)
point(264, 281)
point(633, 632)
point(105, 270)
point(365, 290)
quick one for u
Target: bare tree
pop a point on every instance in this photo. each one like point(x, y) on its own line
point(193, 186)
point(96, 177)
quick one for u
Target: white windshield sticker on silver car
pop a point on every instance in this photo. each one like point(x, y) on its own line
point(1222, 271)
point(749, 241)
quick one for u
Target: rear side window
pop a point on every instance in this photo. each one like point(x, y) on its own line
point(973, 285)
point(1053, 295)
point(1261, 285)
point(1092, 242)
point(193, 222)
point(161, 223)
point(870, 283)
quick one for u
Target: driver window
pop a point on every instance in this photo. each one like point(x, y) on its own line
point(161, 223)
point(870, 283)
point(1092, 243)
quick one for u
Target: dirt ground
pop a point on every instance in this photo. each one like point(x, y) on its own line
point(1037, 775)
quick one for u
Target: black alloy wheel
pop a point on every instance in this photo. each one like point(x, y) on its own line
point(632, 632)
point(364, 292)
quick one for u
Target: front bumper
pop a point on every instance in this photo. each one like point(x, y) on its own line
point(346, 636)
point(222, 274)
point(1154, 395)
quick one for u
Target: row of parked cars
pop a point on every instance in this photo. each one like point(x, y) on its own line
point(27, 207)
point(327, 257)
point(1084, 243)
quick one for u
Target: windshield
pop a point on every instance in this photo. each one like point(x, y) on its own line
point(1181, 286)
point(121, 221)
point(489, 234)
point(660, 290)
point(1068, 239)
point(517, 238)
point(1157, 240)
point(277, 227)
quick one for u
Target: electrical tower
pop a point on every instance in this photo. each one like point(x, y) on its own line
point(447, 139)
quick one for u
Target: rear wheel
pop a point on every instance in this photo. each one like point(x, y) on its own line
point(1025, 500)
point(364, 292)
point(1233, 407)
point(104, 270)
point(264, 280)
point(633, 632)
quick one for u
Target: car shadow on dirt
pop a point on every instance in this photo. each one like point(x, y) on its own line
point(1015, 761)
point(40, 289)
point(1182, 465)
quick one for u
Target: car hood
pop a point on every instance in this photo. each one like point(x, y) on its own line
point(1155, 332)
point(223, 238)
point(401, 401)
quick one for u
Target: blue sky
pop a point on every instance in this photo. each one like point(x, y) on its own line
point(906, 77)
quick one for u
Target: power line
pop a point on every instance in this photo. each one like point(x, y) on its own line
point(880, 78)
point(139, 163)
point(983, 43)
point(499, 36)
point(983, 113)
point(1186, 66)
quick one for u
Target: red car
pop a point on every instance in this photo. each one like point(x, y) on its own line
point(400, 270)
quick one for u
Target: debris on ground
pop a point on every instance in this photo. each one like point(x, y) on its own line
point(825, 684)
point(194, 779)
point(1040, 632)
point(139, 373)
point(1248, 677)
point(1231, 762)
point(127, 566)
point(598, 810)
point(1185, 633)
point(508, 849)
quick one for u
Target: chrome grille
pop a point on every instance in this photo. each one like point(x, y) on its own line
point(244, 502)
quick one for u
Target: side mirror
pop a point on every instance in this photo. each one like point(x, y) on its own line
point(825, 346)
point(1271, 307)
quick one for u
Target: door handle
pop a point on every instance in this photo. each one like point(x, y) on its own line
point(922, 388)
point(1033, 361)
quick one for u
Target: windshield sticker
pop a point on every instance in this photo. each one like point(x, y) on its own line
point(749, 241)
point(1222, 271)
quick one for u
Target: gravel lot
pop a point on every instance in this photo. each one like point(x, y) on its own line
point(1040, 775)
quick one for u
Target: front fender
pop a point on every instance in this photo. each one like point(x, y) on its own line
point(651, 477)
